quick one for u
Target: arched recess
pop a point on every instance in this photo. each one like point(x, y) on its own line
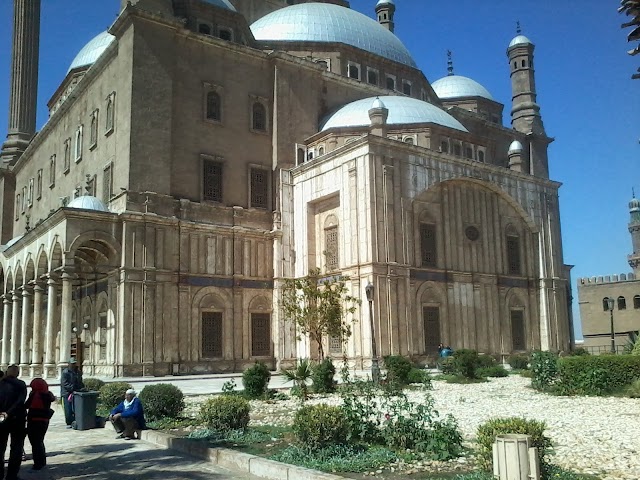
point(431, 318)
point(518, 330)
point(19, 277)
point(94, 252)
point(8, 284)
point(211, 320)
point(55, 256)
point(261, 343)
point(30, 270)
point(42, 264)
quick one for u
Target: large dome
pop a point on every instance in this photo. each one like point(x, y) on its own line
point(402, 111)
point(92, 51)
point(324, 22)
point(222, 4)
point(457, 86)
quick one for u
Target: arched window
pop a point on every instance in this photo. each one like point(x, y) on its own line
point(409, 140)
point(514, 266)
point(300, 156)
point(391, 83)
point(259, 117)
point(444, 146)
point(204, 29)
point(515, 65)
point(605, 304)
point(622, 303)
point(480, 156)
point(213, 106)
point(636, 301)
point(78, 144)
point(110, 112)
point(524, 63)
point(372, 77)
point(406, 88)
point(321, 151)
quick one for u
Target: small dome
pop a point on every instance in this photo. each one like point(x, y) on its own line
point(377, 103)
point(88, 202)
point(515, 147)
point(457, 86)
point(226, 4)
point(328, 23)
point(92, 51)
point(520, 40)
point(13, 241)
point(385, 2)
point(402, 111)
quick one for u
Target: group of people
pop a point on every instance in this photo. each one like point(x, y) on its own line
point(22, 416)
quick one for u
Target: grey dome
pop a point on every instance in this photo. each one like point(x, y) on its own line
point(324, 22)
point(402, 111)
point(385, 2)
point(92, 51)
point(88, 202)
point(222, 4)
point(515, 147)
point(520, 40)
point(457, 86)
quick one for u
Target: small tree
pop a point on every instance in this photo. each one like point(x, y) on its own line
point(318, 306)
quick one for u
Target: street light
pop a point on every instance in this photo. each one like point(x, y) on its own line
point(375, 368)
point(612, 303)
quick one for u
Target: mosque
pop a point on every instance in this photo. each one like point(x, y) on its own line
point(201, 151)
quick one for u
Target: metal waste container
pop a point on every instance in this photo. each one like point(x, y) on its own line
point(84, 406)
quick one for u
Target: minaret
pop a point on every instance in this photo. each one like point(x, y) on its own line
point(24, 79)
point(385, 9)
point(634, 230)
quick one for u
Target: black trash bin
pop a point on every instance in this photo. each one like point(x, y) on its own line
point(84, 406)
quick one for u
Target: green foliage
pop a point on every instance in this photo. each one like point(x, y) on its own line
point(526, 373)
point(322, 377)
point(596, 374)
point(111, 394)
point(486, 361)
point(465, 362)
point(495, 371)
point(237, 438)
point(636, 348)
point(418, 375)
point(229, 387)
point(299, 376)
point(553, 472)
point(318, 306)
point(338, 458)
point(487, 432)
point(172, 423)
point(519, 362)
point(398, 368)
point(318, 426)
point(633, 390)
point(544, 366)
point(162, 400)
point(255, 380)
point(93, 384)
point(361, 404)
point(448, 366)
point(225, 412)
point(579, 352)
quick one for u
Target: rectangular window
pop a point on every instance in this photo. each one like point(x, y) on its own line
point(102, 332)
point(259, 188)
point(211, 334)
point(372, 76)
point(212, 181)
point(17, 216)
point(428, 244)
point(67, 155)
point(517, 330)
point(30, 193)
point(260, 334)
point(110, 113)
point(390, 82)
point(78, 145)
point(93, 133)
point(107, 183)
point(513, 255)
point(90, 187)
point(331, 248)
point(431, 321)
point(39, 184)
point(23, 205)
point(353, 70)
point(406, 87)
point(52, 171)
point(335, 344)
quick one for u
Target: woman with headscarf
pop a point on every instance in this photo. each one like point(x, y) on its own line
point(38, 414)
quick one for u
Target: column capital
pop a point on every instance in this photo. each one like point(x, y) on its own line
point(38, 286)
point(6, 298)
point(26, 290)
point(15, 294)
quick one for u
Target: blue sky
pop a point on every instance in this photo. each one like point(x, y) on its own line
point(588, 101)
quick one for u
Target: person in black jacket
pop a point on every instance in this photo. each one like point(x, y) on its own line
point(71, 381)
point(38, 414)
point(13, 393)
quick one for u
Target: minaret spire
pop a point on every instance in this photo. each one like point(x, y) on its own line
point(449, 63)
point(518, 29)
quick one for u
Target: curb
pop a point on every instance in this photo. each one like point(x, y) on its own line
point(234, 460)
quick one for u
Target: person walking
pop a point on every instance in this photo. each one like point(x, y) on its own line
point(70, 382)
point(38, 414)
point(13, 393)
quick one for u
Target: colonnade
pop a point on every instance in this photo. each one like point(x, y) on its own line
point(28, 336)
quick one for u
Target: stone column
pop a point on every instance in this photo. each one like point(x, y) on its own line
point(6, 330)
point(65, 320)
point(25, 358)
point(15, 337)
point(36, 353)
point(50, 330)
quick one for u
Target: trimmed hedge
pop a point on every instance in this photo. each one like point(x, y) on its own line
point(597, 374)
point(322, 377)
point(225, 412)
point(111, 394)
point(255, 380)
point(162, 400)
point(398, 368)
point(318, 426)
point(519, 362)
point(93, 384)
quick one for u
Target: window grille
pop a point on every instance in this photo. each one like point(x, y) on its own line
point(517, 330)
point(335, 344)
point(331, 248)
point(259, 188)
point(431, 321)
point(605, 304)
point(513, 255)
point(212, 181)
point(107, 183)
point(213, 106)
point(211, 334)
point(428, 244)
point(354, 71)
point(259, 117)
point(260, 334)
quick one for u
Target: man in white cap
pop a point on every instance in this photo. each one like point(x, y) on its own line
point(128, 417)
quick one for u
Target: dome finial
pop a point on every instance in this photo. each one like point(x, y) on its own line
point(449, 63)
point(518, 29)
point(633, 192)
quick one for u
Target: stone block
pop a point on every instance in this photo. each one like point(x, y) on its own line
point(232, 460)
point(264, 468)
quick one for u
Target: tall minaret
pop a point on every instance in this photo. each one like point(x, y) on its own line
point(385, 9)
point(24, 79)
point(634, 230)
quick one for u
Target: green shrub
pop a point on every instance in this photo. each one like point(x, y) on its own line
point(633, 390)
point(398, 368)
point(579, 352)
point(544, 366)
point(447, 365)
point(318, 426)
point(418, 375)
point(495, 371)
point(597, 374)
point(636, 348)
point(322, 377)
point(111, 394)
point(93, 384)
point(526, 373)
point(487, 432)
point(486, 361)
point(255, 380)
point(466, 362)
point(519, 362)
point(225, 412)
point(162, 400)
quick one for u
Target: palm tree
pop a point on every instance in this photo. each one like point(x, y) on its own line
point(299, 376)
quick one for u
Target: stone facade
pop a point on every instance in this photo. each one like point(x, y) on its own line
point(203, 153)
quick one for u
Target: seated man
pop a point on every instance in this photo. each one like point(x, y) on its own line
point(128, 417)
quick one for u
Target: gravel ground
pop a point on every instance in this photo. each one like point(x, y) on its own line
point(597, 435)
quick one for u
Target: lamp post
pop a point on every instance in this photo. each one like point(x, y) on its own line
point(611, 303)
point(375, 368)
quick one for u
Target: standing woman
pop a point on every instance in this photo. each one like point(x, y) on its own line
point(38, 415)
